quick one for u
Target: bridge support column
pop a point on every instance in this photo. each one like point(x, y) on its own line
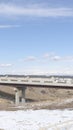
point(17, 96)
point(23, 96)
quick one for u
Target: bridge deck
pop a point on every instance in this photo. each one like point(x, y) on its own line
point(28, 81)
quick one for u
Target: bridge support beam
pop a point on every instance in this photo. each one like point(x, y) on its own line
point(23, 96)
point(17, 96)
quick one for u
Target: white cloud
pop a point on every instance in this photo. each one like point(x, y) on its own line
point(30, 58)
point(5, 65)
point(13, 10)
point(9, 26)
point(56, 58)
point(48, 55)
point(53, 57)
point(68, 58)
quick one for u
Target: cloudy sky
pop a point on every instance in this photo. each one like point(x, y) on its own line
point(36, 37)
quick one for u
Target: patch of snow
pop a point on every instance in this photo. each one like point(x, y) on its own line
point(37, 120)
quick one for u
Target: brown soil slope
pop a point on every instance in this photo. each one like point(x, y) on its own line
point(36, 94)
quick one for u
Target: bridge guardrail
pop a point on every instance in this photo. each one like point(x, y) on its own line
point(37, 81)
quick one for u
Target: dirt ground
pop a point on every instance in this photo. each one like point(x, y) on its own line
point(37, 98)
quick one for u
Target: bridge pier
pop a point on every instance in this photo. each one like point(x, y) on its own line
point(19, 93)
point(23, 96)
point(17, 96)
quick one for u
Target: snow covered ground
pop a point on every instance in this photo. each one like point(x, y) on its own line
point(37, 120)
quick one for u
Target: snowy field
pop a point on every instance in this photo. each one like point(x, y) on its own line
point(37, 120)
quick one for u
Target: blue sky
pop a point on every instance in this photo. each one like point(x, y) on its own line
point(36, 37)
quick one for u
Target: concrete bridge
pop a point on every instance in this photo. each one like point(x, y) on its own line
point(21, 83)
